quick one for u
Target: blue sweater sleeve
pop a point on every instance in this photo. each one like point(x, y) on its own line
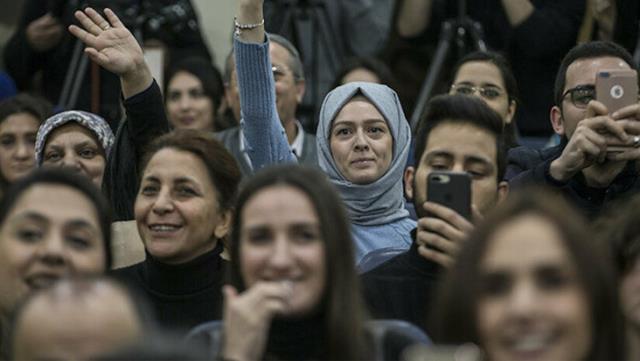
point(264, 137)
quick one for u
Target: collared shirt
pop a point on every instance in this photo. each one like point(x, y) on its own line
point(296, 147)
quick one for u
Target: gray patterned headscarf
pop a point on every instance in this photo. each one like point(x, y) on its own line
point(96, 124)
point(381, 201)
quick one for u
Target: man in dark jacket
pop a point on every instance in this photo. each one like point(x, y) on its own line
point(457, 133)
point(582, 167)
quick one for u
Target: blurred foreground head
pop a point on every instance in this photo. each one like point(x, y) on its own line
point(76, 319)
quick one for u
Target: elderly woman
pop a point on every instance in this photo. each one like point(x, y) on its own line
point(363, 139)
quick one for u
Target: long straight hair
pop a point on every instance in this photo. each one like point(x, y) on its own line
point(343, 308)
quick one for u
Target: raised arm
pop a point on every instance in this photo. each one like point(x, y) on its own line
point(265, 139)
point(111, 45)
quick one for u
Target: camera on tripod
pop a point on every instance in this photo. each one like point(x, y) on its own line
point(156, 19)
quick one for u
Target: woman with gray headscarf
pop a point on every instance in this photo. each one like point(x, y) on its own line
point(77, 140)
point(363, 139)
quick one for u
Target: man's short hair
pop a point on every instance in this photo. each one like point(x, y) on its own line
point(295, 62)
point(592, 49)
point(461, 109)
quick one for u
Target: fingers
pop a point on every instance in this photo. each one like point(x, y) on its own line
point(435, 256)
point(87, 23)
point(606, 124)
point(437, 242)
point(629, 112)
point(97, 19)
point(448, 215)
point(596, 108)
point(113, 18)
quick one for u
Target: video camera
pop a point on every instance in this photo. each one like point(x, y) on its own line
point(154, 19)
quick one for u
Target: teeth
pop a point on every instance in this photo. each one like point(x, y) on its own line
point(531, 343)
point(163, 228)
point(39, 282)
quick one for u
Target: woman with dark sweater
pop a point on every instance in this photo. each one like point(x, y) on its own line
point(183, 212)
point(294, 294)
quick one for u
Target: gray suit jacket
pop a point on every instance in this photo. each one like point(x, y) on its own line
point(231, 140)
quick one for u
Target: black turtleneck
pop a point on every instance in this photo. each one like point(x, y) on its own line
point(182, 296)
point(402, 287)
point(296, 339)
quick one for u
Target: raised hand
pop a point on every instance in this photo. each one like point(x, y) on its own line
point(112, 46)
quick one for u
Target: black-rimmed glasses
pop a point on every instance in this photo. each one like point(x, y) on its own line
point(581, 95)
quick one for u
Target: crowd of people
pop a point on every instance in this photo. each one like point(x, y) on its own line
point(211, 220)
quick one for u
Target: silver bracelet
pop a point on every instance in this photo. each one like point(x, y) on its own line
point(239, 27)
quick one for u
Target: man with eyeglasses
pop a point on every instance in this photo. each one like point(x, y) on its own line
point(582, 166)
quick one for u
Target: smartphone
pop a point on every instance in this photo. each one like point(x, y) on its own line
point(617, 89)
point(452, 190)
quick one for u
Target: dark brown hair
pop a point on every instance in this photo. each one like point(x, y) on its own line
point(220, 164)
point(343, 308)
point(454, 318)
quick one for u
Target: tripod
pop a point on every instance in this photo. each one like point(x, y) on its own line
point(306, 24)
point(453, 30)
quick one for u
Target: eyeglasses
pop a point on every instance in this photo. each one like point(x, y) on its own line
point(487, 92)
point(581, 95)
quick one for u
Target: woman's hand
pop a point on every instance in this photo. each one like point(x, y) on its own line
point(112, 46)
point(247, 318)
point(250, 12)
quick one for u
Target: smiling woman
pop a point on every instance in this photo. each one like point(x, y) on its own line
point(183, 213)
point(193, 94)
point(294, 293)
point(556, 301)
point(53, 224)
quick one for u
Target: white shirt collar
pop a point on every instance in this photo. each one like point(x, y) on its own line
point(296, 147)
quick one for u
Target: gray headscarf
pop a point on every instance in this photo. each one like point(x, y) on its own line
point(92, 122)
point(382, 201)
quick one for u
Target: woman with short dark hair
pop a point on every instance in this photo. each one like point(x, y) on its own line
point(53, 224)
point(183, 211)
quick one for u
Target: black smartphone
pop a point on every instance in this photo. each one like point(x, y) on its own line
point(452, 190)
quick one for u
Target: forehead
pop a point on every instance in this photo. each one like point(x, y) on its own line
point(462, 140)
point(584, 71)
point(359, 109)
point(71, 133)
point(479, 73)
point(56, 203)
point(279, 54)
point(19, 122)
point(279, 205)
point(171, 163)
point(534, 233)
point(183, 79)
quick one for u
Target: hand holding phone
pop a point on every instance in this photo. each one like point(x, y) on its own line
point(617, 89)
point(448, 222)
